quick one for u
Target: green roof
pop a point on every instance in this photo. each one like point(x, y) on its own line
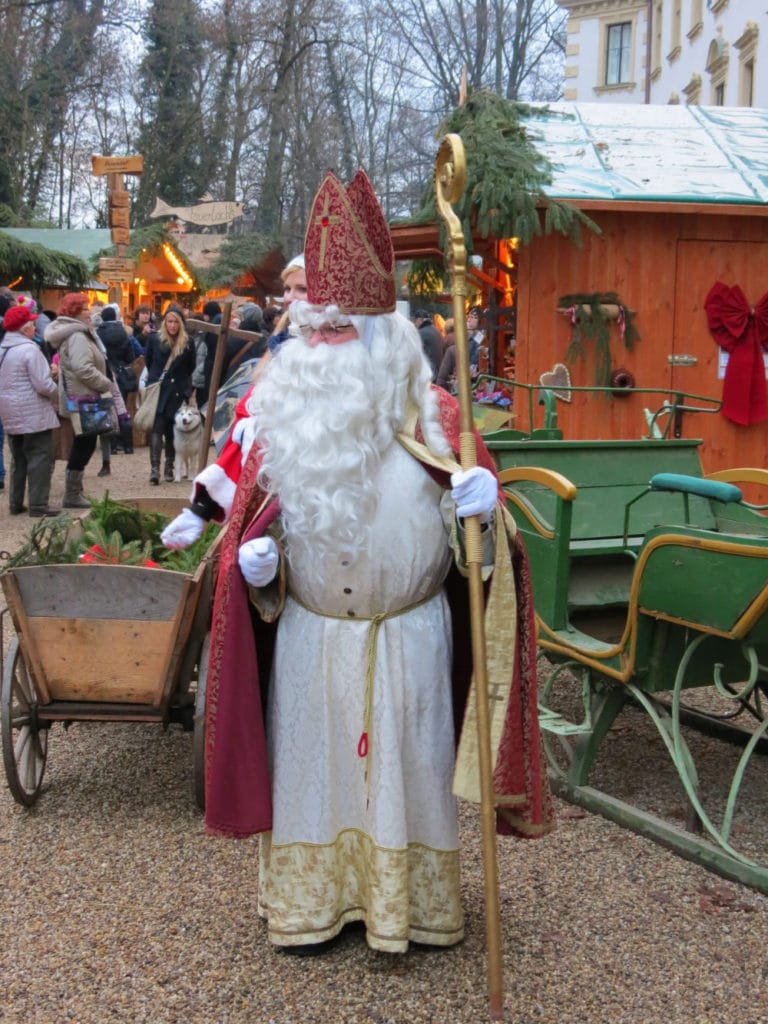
point(82, 242)
point(651, 153)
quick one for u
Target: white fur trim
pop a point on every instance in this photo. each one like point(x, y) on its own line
point(218, 485)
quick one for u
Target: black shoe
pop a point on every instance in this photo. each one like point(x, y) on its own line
point(105, 470)
point(39, 512)
point(154, 479)
point(311, 949)
point(2, 485)
point(18, 511)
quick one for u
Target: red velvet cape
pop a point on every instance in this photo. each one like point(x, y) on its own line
point(238, 797)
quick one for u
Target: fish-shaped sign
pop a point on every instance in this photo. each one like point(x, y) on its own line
point(205, 213)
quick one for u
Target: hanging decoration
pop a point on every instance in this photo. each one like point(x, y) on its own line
point(558, 379)
point(622, 382)
point(742, 330)
point(591, 315)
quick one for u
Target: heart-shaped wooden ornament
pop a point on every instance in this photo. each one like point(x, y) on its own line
point(558, 379)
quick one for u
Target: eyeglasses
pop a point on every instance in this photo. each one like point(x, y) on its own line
point(328, 332)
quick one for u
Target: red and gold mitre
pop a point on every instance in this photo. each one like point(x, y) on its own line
point(350, 262)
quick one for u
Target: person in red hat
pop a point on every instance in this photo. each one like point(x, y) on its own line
point(27, 396)
point(346, 536)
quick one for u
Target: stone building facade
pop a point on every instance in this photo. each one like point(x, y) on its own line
point(707, 52)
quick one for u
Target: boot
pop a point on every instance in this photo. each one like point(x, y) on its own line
point(37, 512)
point(155, 450)
point(126, 437)
point(73, 490)
point(170, 453)
point(105, 468)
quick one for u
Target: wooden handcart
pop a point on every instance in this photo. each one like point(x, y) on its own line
point(103, 643)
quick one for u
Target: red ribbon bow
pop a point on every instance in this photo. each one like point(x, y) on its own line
point(742, 331)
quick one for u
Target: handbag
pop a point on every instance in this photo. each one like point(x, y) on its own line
point(91, 414)
point(126, 378)
point(144, 417)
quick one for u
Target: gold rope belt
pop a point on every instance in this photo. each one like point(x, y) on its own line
point(374, 621)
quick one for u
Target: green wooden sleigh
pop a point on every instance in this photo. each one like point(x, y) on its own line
point(651, 592)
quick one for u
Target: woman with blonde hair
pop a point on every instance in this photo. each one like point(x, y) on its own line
point(170, 358)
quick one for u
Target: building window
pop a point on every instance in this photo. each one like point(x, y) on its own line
point(746, 44)
point(618, 53)
point(658, 14)
point(717, 68)
point(677, 15)
point(747, 83)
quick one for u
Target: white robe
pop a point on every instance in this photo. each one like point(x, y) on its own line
point(344, 846)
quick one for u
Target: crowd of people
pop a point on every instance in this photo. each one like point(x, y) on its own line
point(86, 350)
point(438, 341)
point(108, 358)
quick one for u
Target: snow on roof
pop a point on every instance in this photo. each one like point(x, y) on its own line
point(641, 153)
point(82, 242)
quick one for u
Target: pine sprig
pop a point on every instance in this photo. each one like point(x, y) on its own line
point(506, 175)
point(589, 322)
point(188, 559)
point(109, 547)
point(48, 543)
point(113, 532)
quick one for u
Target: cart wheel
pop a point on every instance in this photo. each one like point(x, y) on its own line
point(25, 742)
point(198, 735)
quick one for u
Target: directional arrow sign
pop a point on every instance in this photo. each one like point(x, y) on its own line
point(117, 164)
point(109, 263)
point(113, 276)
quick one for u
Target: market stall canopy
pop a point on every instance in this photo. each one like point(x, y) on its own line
point(45, 258)
point(651, 154)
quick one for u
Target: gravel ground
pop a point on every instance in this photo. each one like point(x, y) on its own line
point(118, 907)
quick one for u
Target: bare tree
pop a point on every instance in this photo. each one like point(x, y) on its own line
point(499, 42)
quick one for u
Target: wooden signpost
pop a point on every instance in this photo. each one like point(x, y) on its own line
point(117, 165)
point(119, 270)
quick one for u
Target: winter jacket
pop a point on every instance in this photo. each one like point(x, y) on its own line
point(118, 345)
point(205, 343)
point(27, 390)
point(177, 380)
point(82, 360)
point(236, 345)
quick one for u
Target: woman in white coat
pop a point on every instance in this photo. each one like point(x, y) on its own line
point(27, 396)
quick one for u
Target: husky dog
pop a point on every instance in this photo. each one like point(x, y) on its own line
point(187, 441)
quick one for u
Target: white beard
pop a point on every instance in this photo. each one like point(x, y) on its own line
point(322, 444)
point(323, 418)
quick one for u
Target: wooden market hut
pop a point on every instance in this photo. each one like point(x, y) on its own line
point(160, 272)
point(680, 195)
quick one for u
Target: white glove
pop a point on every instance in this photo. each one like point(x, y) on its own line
point(475, 492)
point(185, 529)
point(258, 560)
